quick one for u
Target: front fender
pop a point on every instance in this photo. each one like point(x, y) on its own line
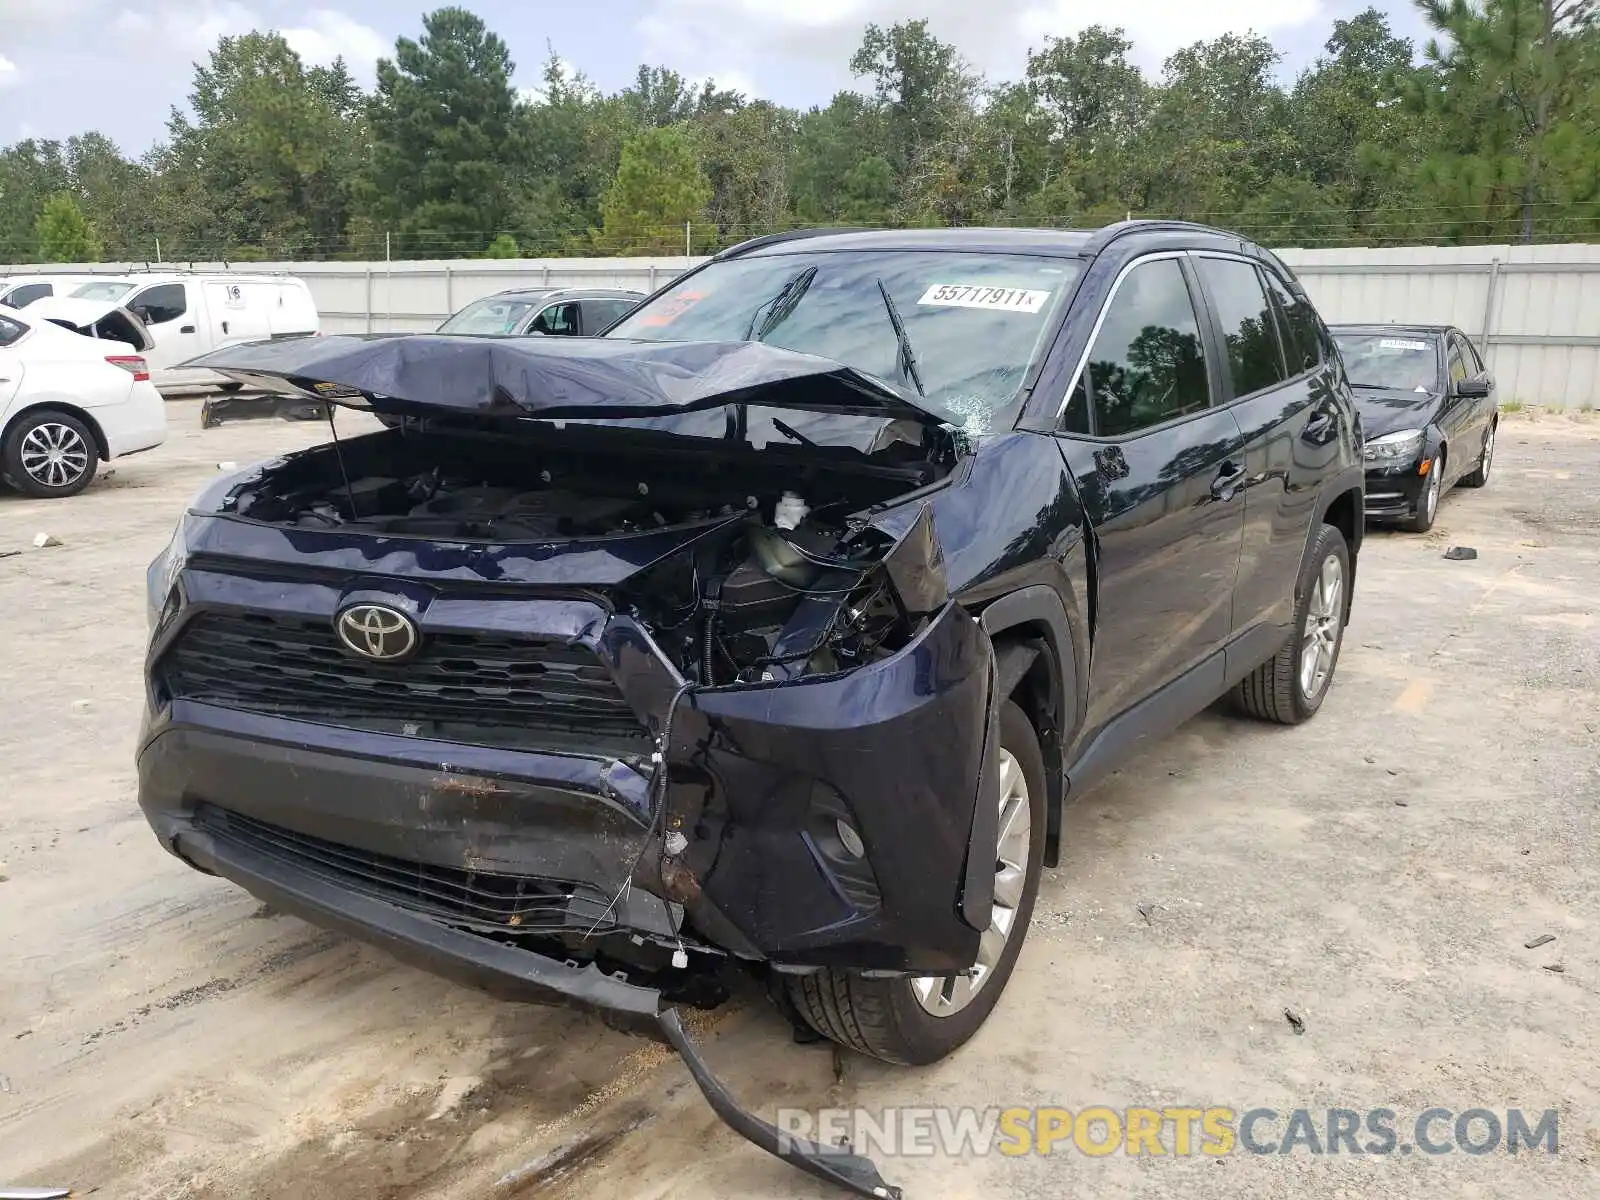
point(768, 779)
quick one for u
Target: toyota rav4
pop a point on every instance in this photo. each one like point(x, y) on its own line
point(768, 634)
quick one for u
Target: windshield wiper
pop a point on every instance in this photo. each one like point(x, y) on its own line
point(908, 356)
point(780, 306)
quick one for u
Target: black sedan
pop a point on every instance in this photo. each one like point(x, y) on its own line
point(1428, 413)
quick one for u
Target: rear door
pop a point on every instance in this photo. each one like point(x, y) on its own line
point(11, 332)
point(1159, 468)
point(173, 315)
point(1281, 391)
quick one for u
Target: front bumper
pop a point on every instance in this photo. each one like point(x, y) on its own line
point(741, 850)
point(1393, 492)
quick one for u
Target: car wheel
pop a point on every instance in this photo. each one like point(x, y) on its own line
point(49, 455)
point(1428, 503)
point(1480, 473)
point(917, 1021)
point(1290, 686)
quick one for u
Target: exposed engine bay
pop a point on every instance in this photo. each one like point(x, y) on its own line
point(771, 576)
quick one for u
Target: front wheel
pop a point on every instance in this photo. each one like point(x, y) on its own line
point(1290, 686)
point(1428, 503)
point(913, 1021)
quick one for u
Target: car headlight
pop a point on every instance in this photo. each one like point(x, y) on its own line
point(163, 574)
point(1400, 447)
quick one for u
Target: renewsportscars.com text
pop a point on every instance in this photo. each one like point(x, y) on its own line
point(1179, 1132)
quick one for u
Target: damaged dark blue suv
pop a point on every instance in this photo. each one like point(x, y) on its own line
point(767, 634)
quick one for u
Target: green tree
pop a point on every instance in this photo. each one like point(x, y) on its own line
point(30, 173)
point(263, 162)
point(1503, 79)
point(443, 158)
point(658, 189)
point(922, 84)
point(64, 233)
point(503, 246)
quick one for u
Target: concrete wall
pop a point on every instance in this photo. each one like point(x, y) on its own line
point(1535, 310)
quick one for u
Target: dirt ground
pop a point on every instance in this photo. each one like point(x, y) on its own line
point(1377, 871)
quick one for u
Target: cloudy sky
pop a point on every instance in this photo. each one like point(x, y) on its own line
point(71, 65)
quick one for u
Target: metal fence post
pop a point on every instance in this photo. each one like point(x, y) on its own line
point(1488, 307)
point(369, 299)
point(449, 291)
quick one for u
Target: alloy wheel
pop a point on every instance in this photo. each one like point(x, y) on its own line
point(1324, 627)
point(946, 995)
point(1488, 454)
point(1430, 495)
point(54, 455)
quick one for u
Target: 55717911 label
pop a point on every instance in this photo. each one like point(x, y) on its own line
point(1000, 299)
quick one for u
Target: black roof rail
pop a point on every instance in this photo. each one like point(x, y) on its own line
point(774, 239)
point(1104, 237)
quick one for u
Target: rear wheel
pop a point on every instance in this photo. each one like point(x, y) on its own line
point(1480, 473)
point(1290, 686)
point(49, 455)
point(917, 1021)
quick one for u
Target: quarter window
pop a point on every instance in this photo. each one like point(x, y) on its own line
point(11, 331)
point(1255, 359)
point(1147, 365)
point(160, 304)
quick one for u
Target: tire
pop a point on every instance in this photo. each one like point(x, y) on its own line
point(49, 455)
point(1428, 503)
point(885, 1018)
point(1480, 473)
point(1278, 690)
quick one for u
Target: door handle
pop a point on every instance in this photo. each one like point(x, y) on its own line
point(1227, 481)
point(190, 329)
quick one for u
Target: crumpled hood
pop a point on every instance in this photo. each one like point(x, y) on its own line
point(551, 377)
point(105, 319)
point(1391, 411)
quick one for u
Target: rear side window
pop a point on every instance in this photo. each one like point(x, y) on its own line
point(1302, 337)
point(1255, 358)
point(1146, 365)
point(10, 330)
point(27, 294)
point(604, 312)
point(160, 304)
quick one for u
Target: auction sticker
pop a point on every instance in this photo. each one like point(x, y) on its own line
point(970, 295)
point(1400, 344)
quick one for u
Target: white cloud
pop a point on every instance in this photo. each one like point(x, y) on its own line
point(818, 37)
point(189, 31)
point(8, 72)
point(328, 35)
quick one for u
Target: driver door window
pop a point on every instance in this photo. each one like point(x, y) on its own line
point(161, 304)
point(1457, 361)
point(559, 319)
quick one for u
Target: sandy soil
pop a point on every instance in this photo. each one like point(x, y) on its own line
point(1377, 871)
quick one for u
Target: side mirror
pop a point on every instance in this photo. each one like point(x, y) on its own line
point(1475, 387)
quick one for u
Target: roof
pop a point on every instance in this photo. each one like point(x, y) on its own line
point(575, 292)
point(1059, 242)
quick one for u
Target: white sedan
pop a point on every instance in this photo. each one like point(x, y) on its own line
point(74, 391)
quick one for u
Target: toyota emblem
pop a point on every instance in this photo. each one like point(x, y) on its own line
point(377, 631)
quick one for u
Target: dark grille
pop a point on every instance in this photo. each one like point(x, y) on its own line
point(483, 901)
point(478, 689)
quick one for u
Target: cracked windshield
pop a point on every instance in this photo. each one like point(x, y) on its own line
point(973, 323)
